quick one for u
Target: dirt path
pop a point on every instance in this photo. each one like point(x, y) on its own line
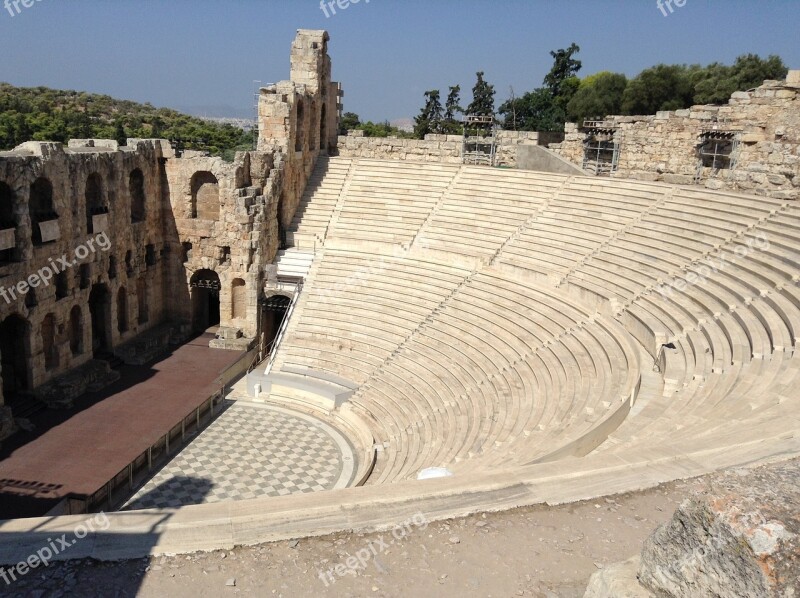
point(534, 551)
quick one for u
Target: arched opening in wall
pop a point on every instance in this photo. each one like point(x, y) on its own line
point(300, 132)
point(273, 312)
point(44, 220)
point(323, 129)
point(49, 347)
point(205, 288)
point(136, 191)
point(239, 299)
point(313, 132)
point(95, 203)
point(142, 300)
point(76, 331)
point(100, 310)
point(8, 226)
point(122, 310)
point(205, 196)
point(14, 334)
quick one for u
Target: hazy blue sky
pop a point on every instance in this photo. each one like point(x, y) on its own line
point(206, 53)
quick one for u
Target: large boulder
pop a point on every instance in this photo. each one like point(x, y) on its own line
point(738, 535)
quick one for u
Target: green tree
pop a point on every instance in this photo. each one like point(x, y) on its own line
point(750, 70)
point(429, 119)
point(452, 107)
point(598, 95)
point(482, 98)
point(348, 122)
point(662, 87)
point(565, 67)
point(119, 133)
point(545, 108)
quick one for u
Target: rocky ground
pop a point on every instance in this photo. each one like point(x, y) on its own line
point(534, 551)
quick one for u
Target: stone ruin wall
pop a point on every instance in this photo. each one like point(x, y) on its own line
point(434, 148)
point(122, 268)
point(200, 213)
point(663, 147)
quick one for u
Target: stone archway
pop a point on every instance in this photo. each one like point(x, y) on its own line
point(273, 311)
point(14, 352)
point(238, 299)
point(100, 310)
point(205, 288)
point(205, 196)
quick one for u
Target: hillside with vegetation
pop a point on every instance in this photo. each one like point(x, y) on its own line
point(44, 114)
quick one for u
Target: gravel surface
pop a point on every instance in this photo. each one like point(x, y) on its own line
point(534, 551)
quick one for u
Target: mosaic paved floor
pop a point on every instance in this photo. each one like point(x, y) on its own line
point(251, 450)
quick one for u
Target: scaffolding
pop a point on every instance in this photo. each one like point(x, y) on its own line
point(480, 140)
point(600, 147)
point(717, 150)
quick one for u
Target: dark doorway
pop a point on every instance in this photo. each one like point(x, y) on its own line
point(273, 313)
point(13, 350)
point(100, 308)
point(205, 289)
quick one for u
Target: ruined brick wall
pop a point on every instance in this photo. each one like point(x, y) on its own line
point(434, 148)
point(168, 219)
point(56, 313)
point(663, 147)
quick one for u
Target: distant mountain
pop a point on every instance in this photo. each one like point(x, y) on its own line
point(404, 124)
point(44, 114)
point(218, 111)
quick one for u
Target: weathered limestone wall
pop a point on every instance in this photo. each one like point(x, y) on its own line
point(226, 241)
point(663, 147)
point(299, 118)
point(132, 257)
point(434, 148)
point(170, 220)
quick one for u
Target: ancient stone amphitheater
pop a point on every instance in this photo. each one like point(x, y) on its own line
point(543, 337)
point(483, 319)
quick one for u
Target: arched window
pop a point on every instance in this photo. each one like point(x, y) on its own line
point(42, 210)
point(49, 347)
point(239, 298)
point(312, 137)
point(95, 200)
point(142, 300)
point(76, 331)
point(205, 196)
point(323, 129)
point(122, 310)
point(300, 129)
point(136, 190)
point(8, 225)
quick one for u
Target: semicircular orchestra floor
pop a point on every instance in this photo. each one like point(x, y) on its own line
point(251, 450)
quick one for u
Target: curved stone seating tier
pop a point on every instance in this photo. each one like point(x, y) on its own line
point(521, 317)
point(320, 198)
point(390, 203)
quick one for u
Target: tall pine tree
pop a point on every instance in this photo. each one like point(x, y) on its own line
point(430, 118)
point(482, 98)
point(452, 107)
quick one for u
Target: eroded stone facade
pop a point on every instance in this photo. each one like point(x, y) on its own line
point(663, 147)
point(177, 242)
